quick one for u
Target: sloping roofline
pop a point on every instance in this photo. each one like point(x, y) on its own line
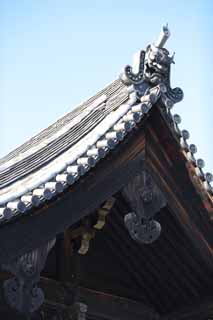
point(28, 179)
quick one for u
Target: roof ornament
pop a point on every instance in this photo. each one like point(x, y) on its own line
point(145, 200)
point(151, 68)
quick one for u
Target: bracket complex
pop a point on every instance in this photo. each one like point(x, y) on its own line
point(146, 200)
point(151, 68)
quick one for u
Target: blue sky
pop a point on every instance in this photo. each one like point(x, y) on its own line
point(55, 54)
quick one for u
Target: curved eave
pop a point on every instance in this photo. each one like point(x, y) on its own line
point(108, 176)
point(46, 181)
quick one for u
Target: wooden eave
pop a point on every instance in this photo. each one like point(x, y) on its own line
point(107, 178)
point(152, 141)
point(152, 145)
point(170, 169)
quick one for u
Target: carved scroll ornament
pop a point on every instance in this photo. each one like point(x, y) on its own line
point(21, 292)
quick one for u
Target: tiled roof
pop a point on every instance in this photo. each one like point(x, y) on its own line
point(58, 156)
point(62, 135)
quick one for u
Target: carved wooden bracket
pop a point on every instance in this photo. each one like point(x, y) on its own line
point(21, 292)
point(89, 231)
point(146, 200)
point(103, 211)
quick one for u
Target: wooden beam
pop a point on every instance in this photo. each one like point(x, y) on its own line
point(100, 305)
point(106, 306)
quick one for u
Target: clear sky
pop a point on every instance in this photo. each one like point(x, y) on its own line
point(55, 54)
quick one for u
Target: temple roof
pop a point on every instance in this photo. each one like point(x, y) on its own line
point(63, 142)
point(60, 155)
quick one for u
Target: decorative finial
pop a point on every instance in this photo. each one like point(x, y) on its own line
point(151, 68)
